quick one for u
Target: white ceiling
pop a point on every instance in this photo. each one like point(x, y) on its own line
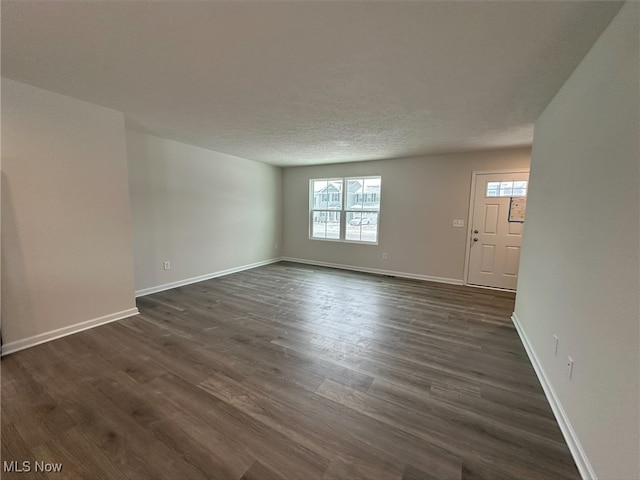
point(309, 82)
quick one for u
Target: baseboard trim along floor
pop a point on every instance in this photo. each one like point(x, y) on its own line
point(575, 447)
point(377, 271)
point(201, 278)
point(18, 345)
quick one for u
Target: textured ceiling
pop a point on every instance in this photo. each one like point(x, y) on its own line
point(300, 83)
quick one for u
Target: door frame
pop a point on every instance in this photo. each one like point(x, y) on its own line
point(472, 195)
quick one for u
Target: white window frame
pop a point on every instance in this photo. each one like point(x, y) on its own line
point(344, 211)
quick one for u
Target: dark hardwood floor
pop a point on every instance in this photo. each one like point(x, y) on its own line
point(288, 372)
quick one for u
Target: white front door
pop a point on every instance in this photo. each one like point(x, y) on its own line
point(497, 224)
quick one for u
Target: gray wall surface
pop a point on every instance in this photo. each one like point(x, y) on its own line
point(203, 211)
point(580, 262)
point(66, 227)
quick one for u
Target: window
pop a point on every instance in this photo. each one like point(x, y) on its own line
point(507, 189)
point(345, 209)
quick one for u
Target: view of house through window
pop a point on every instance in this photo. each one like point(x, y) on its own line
point(507, 189)
point(345, 208)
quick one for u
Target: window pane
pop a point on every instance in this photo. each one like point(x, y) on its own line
point(334, 194)
point(355, 193)
point(326, 224)
point(493, 189)
point(319, 197)
point(520, 189)
point(327, 194)
point(372, 193)
point(506, 189)
point(362, 227)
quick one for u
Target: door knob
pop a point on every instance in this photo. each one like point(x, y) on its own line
point(475, 231)
point(475, 239)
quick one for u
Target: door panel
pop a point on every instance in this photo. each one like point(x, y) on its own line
point(494, 254)
point(512, 261)
point(488, 256)
point(491, 219)
point(515, 228)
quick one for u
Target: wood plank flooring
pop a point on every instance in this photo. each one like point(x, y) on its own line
point(288, 371)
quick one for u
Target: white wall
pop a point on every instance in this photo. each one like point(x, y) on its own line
point(420, 198)
point(203, 211)
point(66, 227)
point(580, 263)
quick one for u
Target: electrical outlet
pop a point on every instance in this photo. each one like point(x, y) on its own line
point(569, 367)
point(277, 246)
point(555, 345)
point(166, 265)
point(385, 256)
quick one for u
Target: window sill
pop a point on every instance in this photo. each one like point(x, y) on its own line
point(338, 240)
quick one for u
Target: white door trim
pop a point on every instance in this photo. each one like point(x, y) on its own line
point(474, 178)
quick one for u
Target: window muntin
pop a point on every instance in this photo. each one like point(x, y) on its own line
point(345, 209)
point(507, 189)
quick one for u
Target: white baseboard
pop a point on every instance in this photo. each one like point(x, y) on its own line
point(578, 453)
point(497, 289)
point(413, 276)
point(13, 347)
point(200, 278)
